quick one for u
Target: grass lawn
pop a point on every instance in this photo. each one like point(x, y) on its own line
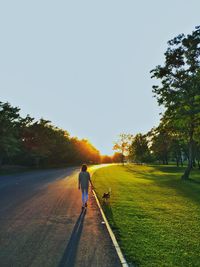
point(155, 215)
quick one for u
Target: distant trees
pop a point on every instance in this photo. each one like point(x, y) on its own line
point(160, 142)
point(83, 150)
point(117, 157)
point(122, 145)
point(38, 143)
point(106, 159)
point(46, 144)
point(139, 150)
point(28, 142)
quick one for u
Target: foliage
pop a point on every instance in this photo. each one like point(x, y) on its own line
point(106, 159)
point(9, 130)
point(28, 142)
point(117, 157)
point(122, 145)
point(84, 151)
point(179, 90)
point(139, 150)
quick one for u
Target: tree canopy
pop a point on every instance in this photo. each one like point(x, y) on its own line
point(177, 137)
point(179, 90)
point(28, 142)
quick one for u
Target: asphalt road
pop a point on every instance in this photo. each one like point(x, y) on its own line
point(42, 224)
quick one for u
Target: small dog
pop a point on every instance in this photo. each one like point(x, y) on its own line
point(106, 196)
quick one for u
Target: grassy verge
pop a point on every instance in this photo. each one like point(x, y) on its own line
point(155, 215)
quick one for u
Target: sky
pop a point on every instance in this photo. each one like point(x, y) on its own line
point(85, 65)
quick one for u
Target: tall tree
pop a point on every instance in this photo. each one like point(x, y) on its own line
point(167, 142)
point(179, 90)
point(139, 150)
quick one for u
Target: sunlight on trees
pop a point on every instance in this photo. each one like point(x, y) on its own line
point(25, 141)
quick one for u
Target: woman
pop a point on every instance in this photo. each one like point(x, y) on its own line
point(83, 184)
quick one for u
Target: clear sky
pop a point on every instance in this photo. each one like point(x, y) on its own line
point(85, 65)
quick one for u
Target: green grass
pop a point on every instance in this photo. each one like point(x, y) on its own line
point(155, 215)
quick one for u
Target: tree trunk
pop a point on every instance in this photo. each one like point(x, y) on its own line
point(190, 161)
point(122, 158)
point(165, 160)
point(177, 161)
point(181, 161)
point(198, 164)
point(194, 163)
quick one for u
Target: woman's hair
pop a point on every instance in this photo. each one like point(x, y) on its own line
point(84, 168)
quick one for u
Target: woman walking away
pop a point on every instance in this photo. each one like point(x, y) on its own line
point(83, 184)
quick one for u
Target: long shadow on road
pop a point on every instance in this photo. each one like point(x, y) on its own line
point(69, 255)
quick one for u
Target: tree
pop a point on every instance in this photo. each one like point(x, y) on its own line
point(179, 90)
point(37, 140)
point(106, 159)
point(198, 154)
point(122, 145)
point(139, 150)
point(45, 144)
point(84, 151)
point(28, 142)
point(9, 131)
point(176, 151)
point(117, 157)
point(166, 143)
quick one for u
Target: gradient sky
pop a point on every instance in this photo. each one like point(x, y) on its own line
point(85, 65)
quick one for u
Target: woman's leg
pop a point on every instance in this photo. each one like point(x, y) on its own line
point(86, 197)
point(83, 196)
point(86, 194)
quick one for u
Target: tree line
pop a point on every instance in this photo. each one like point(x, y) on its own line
point(38, 143)
point(177, 137)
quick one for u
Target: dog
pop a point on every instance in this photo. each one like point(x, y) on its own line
point(106, 196)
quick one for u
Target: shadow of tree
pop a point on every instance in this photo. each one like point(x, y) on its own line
point(169, 177)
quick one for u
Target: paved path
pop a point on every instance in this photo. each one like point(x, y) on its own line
point(41, 223)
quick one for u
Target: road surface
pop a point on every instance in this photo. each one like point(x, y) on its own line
point(41, 223)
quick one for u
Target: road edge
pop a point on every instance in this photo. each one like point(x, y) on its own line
point(112, 236)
